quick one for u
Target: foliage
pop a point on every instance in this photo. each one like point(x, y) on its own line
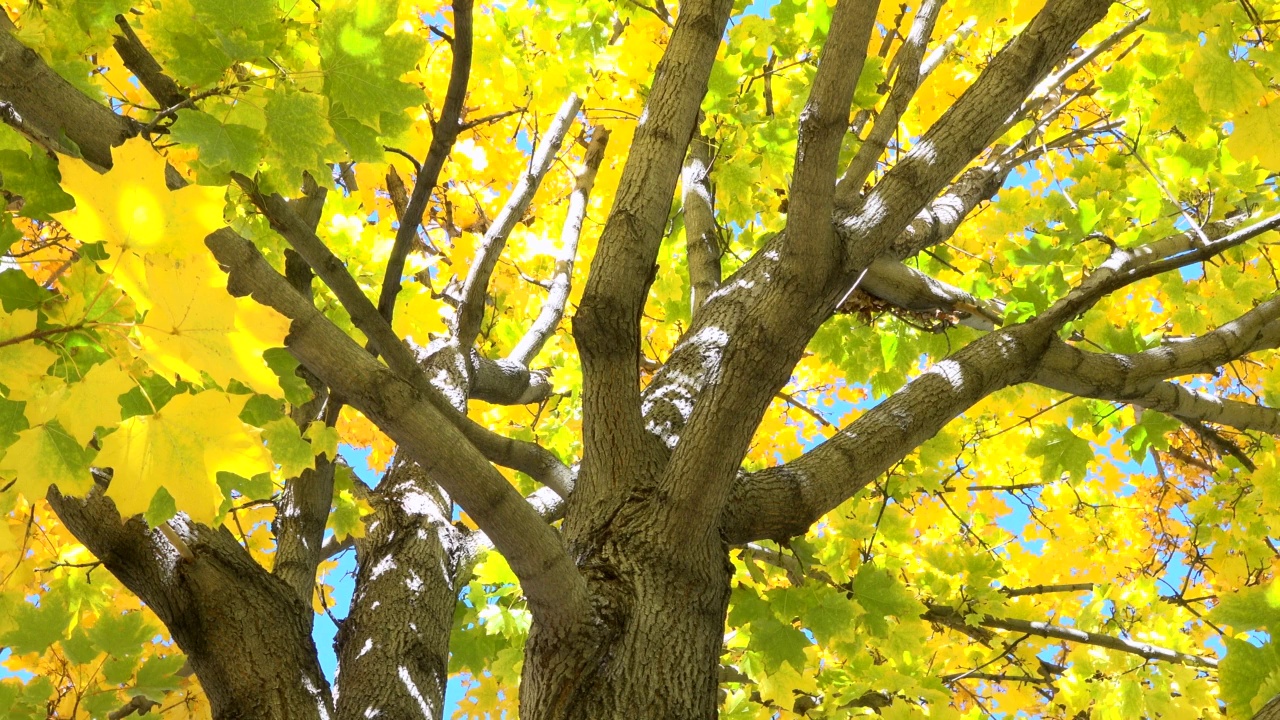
point(121, 347)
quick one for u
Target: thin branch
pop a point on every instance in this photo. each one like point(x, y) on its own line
point(476, 288)
point(562, 279)
point(1058, 632)
point(909, 77)
point(334, 273)
point(445, 132)
point(702, 242)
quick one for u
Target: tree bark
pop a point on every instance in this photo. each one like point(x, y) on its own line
point(49, 110)
point(393, 647)
point(245, 633)
point(655, 648)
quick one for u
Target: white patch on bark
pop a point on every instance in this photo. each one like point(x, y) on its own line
point(368, 645)
point(414, 692)
point(950, 371)
point(384, 565)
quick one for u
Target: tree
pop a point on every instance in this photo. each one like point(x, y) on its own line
point(800, 359)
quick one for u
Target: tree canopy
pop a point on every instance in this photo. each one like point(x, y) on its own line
point(788, 359)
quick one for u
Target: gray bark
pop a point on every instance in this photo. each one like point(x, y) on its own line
point(393, 646)
point(245, 633)
point(37, 102)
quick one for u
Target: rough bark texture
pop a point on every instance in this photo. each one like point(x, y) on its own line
point(37, 102)
point(245, 632)
point(393, 647)
point(629, 599)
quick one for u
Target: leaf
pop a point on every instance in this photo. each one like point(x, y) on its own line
point(37, 627)
point(363, 62)
point(1257, 134)
point(225, 147)
point(132, 211)
point(20, 292)
point(324, 438)
point(159, 675)
point(1222, 84)
point(1062, 451)
point(298, 128)
point(1244, 673)
point(285, 366)
point(47, 455)
point(348, 510)
point(22, 361)
point(34, 177)
point(195, 327)
point(1250, 608)
point(122, 634)
point(182, 448)
point(288, 449)
point(882, 596)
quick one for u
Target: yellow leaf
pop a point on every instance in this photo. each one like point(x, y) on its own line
point(46, 455)
point(182, 448)
point(1257, 132)
point(94, 401)
point(131, 210)
point(780, 686)
point(22, 361)
point(195, 326)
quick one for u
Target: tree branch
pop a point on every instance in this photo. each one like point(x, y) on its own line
point(45, 108)
point(444, 133)
point(607, 324)
point(212, 602)
point(1058, 632)
point(909, 77)
point(562, 278)
point(404, 410)
point(783, 501)
point(476, 288)
point(139, 60)
point(702, 241)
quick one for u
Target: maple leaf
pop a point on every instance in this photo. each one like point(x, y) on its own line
point(131, 209)
point(182, 448)
point(47, 455)
point(22, 361)
point(194, 326)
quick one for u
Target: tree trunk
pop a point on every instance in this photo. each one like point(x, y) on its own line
point(244, 631)
point(393, 647)
point(655, 648)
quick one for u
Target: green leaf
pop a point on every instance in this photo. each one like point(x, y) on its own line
point(261, 410)
point(159, 675)
point(224, 147)
point(362, 63)
point(34, 177)
point(285, 366)
point(1244, 673)
point(162, 508)
point(20, 292)
point(288, 449)
point(1061, 451)
point(39, 626)
point(297, 128)
point(881, 595)
point(1251, 608)
point(1149, 433)
point(122, 634)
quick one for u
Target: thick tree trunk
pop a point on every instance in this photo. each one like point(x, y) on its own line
point(393, 647)
point(656, 647)
point(245, 633)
